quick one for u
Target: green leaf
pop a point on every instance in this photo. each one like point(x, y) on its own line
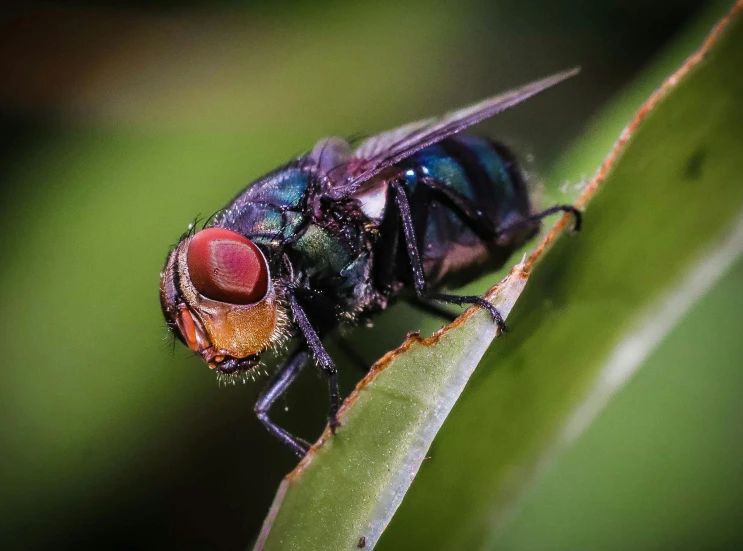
point(662, 225)
point(407, 395)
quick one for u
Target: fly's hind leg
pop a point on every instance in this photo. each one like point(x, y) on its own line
point(480, 223)
point(419, 279)
point(569, 209)
point(483, 225)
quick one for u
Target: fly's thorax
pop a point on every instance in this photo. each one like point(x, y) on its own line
point(273, 208)
point(205, 296)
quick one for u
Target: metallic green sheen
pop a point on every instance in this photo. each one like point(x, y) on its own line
point(325, 255)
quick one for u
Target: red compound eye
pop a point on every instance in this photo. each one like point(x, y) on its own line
point(227, 267)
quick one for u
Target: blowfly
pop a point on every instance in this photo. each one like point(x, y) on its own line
point(338, 234)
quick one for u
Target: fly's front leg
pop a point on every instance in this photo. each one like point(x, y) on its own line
point(419, 279)
point(321, 357)
point(278, 384)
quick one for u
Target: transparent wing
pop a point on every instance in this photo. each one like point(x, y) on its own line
point(383, 150)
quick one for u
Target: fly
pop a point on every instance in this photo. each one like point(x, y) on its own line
point(337, 235)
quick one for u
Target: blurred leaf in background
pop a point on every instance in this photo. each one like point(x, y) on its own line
point(122, 122)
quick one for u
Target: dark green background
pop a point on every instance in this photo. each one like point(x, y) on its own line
point(121, 122)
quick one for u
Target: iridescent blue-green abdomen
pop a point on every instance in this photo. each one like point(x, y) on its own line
point(485, 173)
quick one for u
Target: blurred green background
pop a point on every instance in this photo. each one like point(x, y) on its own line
point(122, 121)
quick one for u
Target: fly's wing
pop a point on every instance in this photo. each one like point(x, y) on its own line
point(384, 150)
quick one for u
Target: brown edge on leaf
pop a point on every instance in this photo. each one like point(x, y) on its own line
point(668, 84)
point(523, 270)
point(386, 360)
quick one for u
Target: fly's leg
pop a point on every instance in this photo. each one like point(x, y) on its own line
point(480, 223)
point(278, 384)
point(570, 209)
point(419, 280)
point(321, 357)
point(471, 299)
point(483, 225)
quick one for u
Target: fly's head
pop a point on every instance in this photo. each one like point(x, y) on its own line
point(218, 298)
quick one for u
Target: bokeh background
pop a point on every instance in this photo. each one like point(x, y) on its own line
point(120, 122)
